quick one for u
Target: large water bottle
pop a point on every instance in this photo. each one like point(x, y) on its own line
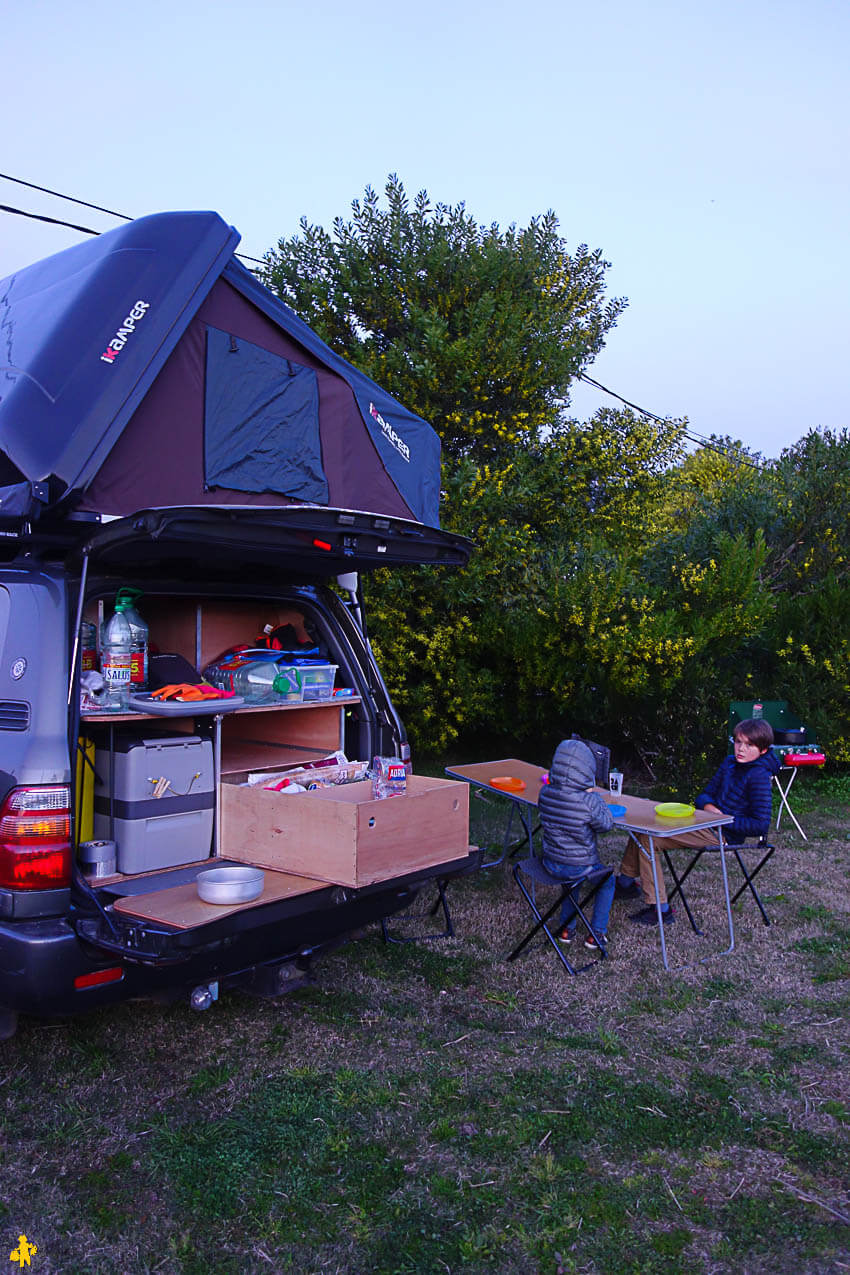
point(115, 660)
point(126, 602)
point(255, 681)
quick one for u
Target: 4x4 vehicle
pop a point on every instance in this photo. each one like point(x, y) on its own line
point(166, 423)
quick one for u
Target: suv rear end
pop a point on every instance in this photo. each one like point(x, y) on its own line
point(64, 945)
point(167, 423)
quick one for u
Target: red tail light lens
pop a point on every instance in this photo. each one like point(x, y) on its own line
point(35, 838)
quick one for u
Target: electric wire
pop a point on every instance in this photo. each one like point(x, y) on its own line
point(54, 221)
point(70, 198)
point(84, 203)
point(692, 435)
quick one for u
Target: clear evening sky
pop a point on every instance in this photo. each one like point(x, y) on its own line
point(702, 147)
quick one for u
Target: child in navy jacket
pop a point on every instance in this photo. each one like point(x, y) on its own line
point(741, 786)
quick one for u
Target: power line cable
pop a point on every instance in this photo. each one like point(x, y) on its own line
point(54, 221)
point(691, 435)
point(84, 203)
point(70, 198)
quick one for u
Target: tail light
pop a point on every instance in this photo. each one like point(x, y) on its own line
point(35, 838)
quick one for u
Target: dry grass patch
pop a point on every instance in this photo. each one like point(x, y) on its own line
point(429, 1107)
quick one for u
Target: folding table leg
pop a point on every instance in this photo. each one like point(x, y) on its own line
point(440, 901)
point(727, 900)
point(658, 914)
point(510, 848)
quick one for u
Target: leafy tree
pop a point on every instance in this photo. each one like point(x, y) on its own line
point(620, 587)
point(478, 330)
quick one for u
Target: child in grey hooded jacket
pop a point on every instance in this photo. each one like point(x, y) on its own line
point(571, 814)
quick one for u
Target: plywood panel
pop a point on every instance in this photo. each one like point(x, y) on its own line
point(224, 624)
point(181, 907)
point(243, 755)
point(315, 725)
point(171, 622)
point(227, 624)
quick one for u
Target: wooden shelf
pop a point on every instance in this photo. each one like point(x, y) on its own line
point(103, 719)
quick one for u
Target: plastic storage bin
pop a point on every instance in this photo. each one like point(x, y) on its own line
point(317, 681)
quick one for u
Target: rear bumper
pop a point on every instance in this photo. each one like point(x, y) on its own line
point(39, 960)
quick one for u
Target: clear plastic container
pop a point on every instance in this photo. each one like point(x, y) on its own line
point(318, 680)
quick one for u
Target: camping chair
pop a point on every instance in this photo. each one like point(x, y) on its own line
point(533, 871)
point(761, 847)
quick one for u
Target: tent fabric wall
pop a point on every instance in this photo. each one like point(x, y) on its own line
point(407, 446)
point(159, 459)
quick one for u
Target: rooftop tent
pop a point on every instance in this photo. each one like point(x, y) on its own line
point(148, 369)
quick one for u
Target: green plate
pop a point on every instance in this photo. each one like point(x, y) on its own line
point(674, 810)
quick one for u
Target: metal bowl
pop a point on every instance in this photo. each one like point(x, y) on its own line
point(230, 885)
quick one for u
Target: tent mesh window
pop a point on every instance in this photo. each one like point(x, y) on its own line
point(261, 421)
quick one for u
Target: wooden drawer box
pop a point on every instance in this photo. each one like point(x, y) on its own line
point(342, 834)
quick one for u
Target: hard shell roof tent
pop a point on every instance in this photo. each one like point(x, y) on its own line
point(148, 370)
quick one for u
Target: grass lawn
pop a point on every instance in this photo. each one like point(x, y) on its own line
point(429, 1108)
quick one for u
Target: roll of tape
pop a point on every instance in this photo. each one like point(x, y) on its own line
point(98, 857)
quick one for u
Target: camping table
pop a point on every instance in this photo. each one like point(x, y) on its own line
point(640, 818)
point(479, 774)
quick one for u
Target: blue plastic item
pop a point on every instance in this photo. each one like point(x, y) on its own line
point(616, 811)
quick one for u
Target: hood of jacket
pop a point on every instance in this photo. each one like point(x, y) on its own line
point(573, 766)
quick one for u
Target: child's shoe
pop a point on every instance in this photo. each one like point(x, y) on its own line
point(649, 916)
point(594, 945)
point(565, 935)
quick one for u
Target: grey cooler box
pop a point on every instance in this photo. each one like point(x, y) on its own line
point(163, 798)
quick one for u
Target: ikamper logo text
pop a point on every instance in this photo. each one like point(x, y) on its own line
point(128, 327)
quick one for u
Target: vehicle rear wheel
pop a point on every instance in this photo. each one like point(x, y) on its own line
point(8, 1023)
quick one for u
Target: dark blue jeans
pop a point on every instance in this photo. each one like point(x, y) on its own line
point(601, 901)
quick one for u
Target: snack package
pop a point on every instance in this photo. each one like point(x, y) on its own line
point(389, 777)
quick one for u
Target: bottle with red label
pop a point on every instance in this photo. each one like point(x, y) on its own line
point(88, 646)
point(125, 602)
point(115, 655)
